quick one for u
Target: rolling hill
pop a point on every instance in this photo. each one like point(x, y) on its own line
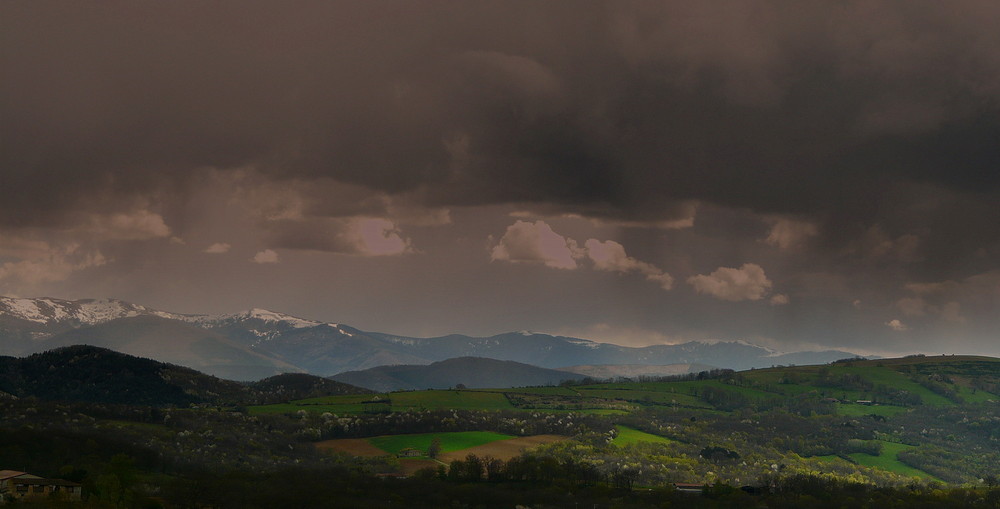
point(98, 375)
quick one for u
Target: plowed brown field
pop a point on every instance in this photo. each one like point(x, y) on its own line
point(502, 449)
point(352, 446)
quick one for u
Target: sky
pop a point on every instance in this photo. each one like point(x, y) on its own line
point(795, 174)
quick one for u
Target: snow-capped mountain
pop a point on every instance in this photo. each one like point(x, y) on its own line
point(48, 311)
point(260, 342)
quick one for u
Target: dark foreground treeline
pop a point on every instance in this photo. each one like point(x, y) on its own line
point(346, 488)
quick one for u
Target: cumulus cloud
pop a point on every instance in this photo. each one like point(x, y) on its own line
point(745, 283)
point(375, 236)
point(536, 242)
point(897, 325)
point(779, 299)
point(135, 225)
point(266, 256)
point(790, 233)
point(218, 248)
point(610, 256)
point(360, 236)
point(42, 262)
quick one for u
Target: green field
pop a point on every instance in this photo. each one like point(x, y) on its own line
point(854, 410)
point(455, 441)
point(627, 436)
point(762, 386)
point(644, 397)
point(894, 379)
point(401, 401)
point(888, 460)
point(449, 400)
point(347, 404)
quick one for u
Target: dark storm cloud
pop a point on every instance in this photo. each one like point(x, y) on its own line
point(823, 111)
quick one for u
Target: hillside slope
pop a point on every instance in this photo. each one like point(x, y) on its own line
point(93, 374)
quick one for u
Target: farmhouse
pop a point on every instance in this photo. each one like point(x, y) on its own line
point(17, 485)
point(409, 452)
point(684, 487)
point(377, 405)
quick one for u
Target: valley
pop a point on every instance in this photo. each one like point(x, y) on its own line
point(917, 425)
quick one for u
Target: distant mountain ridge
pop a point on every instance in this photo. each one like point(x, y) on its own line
point(258, 343)
point(471, 372)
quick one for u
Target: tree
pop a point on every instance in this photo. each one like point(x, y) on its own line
point(435, 448)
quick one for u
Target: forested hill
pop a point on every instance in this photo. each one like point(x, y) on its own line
point(92, 374)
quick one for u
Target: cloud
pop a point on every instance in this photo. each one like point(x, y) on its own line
point(41, 262)
point(477, 108)
point(218, 248)
point(912, 306)
point(266, 256)
point(360, 236)
point(779, 299)
point(745, 283)
point(610, 256)
point(135, 225)
point(876, 245)
point(377, 237)
point(525, 242)
point(790, 233)
point(897, 325)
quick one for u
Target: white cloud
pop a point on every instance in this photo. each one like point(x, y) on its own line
point(266, 256)
point(376, 237)
point(678, 215)
point(745, 283)
point(42, 262)
point(779, 299)
point(136, 225)
point(897, 325)
point(525, 242)
point(610, 256)
point(790, 233)
point(218, 248)
point(359, 236)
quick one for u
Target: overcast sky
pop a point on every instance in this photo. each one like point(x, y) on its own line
point(797, 174)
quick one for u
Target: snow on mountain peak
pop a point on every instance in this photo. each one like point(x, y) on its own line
point(87, 311)
point(272, 316)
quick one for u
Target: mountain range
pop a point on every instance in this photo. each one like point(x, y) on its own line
point(259, 343)
point(470, 372)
